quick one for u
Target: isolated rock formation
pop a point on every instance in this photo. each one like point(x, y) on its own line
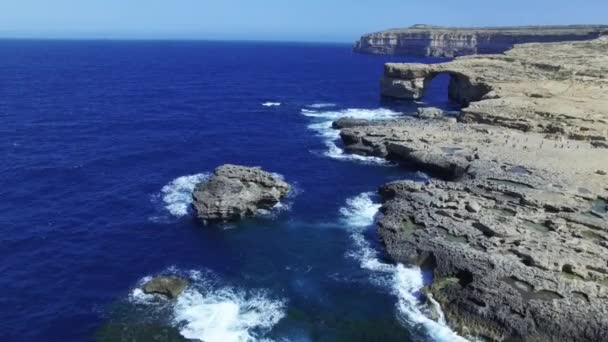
point(168, 286)
point(234, 192)
point(437, 41)
point(515, 230)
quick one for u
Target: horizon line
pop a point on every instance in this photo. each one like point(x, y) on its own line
point(176, 39)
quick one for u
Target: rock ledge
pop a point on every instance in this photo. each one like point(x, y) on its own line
point(515, 230)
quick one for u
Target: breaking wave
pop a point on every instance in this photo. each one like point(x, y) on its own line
point(323, 127)
point(177, 194)
point(321, 105)
point(271, 104)
point(404, 282)
point(213, 312)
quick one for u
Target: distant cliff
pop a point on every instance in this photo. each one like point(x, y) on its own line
point(436, 41)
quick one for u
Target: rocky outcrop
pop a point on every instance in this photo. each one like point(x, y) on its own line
point(556, 88)
point(234, 192)
point(519, 246)
point(515, 227)
point(437, 41)
point(168, 286)
point(349, 122)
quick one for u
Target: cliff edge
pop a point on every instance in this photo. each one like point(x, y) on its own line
point(437, 41)
point(515, 231)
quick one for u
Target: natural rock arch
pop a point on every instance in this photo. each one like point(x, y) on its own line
point(411, 83)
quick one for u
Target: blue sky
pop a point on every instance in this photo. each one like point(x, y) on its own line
point(296, 20)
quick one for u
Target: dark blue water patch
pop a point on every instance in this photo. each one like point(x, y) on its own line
point(93, 130)
point(437, 94)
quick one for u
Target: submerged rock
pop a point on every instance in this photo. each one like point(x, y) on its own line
point(133, 330)
point(235, 192)
point(168, 286)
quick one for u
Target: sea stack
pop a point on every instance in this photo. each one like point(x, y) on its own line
point(438, 41)
point(235, 192)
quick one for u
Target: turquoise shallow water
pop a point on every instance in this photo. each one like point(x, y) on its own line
point(102, 143)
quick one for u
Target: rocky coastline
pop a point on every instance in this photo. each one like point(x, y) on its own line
point(437, 41)
point(515, 227)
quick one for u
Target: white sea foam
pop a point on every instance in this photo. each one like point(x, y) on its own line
point(213, 312)
point(138, 296)
point(323, 127)
point(177, 195)
point(275, 210)
point(360, 211)
point(271, 104)
point(321, 105)
point(226, 315)
point(404, 282)
point(369, 114)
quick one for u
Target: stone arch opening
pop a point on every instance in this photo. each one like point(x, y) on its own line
point(436, 91)
point(460, 88)
point(412, 81)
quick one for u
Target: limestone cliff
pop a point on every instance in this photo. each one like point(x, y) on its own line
point(547, 88)
point(436, 41)
point(516, 232)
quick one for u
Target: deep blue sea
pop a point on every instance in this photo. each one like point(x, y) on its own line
point(101, 145)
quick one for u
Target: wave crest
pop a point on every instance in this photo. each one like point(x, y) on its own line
point(323, 128)
point(177, 194)
point(271, 104)
point(210, 311)
point(404, 282)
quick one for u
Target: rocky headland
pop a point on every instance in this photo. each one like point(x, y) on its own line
point(437, 41)
point(515, 226)
point(234, 192)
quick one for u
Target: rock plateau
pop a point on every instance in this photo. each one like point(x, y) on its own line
point(437, 41)
point(515, 227)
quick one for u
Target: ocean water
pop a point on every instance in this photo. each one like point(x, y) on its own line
point(102, 143)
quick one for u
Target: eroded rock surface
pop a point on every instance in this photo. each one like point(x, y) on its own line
point(436, 41)
point(550, 88)
point(234, 192)
point(515, 228)
point(519, 245)
point(168, 286)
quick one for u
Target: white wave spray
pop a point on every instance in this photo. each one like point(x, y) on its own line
point(177, 195)
point(321, 105)
point(323, 127)
point(210, 312)
point(271, 104)
point(404, 282)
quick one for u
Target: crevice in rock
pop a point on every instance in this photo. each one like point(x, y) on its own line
point(464, 278)
point(582, 296)
point(485, 230)
point(428, 261)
